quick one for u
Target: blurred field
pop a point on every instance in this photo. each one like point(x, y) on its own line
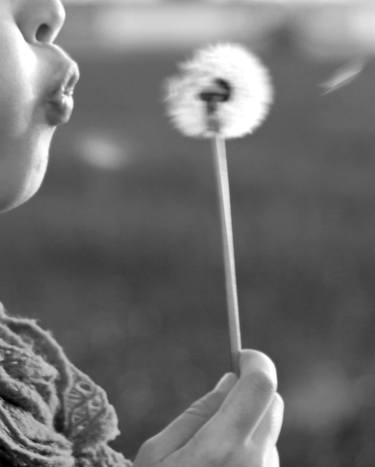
point(125, 265)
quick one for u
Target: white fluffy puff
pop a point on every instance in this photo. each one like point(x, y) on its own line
point(250, 98)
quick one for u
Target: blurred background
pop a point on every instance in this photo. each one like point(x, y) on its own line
point(120, 252)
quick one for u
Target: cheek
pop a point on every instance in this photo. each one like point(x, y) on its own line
point(17, 88)
point(23, 168)
point(24, 140)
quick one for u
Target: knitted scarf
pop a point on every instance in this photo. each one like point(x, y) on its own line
point(51, 414)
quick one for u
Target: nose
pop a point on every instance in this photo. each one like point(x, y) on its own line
point(40, 21)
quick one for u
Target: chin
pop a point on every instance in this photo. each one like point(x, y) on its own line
point(22, 174)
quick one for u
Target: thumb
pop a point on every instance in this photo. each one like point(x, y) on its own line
point(179, 432)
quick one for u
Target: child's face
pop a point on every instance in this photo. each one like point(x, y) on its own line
point(36, 82)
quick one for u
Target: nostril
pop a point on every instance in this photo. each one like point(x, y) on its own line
point(43, 33)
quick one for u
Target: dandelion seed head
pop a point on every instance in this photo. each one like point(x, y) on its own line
point(249, 92)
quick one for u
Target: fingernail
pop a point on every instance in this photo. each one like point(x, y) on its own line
point(226, 383)
point(253, 361)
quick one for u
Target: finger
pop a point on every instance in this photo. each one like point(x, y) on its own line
point(251, 396)
point(177, 433)
point(252, 360)
point(269, 427)
point(272, 459)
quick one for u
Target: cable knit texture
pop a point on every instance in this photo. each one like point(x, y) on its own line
point(51, 414)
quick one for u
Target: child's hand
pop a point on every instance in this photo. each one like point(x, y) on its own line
point(237, 424)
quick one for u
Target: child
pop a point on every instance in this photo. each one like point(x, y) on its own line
point(51, 414)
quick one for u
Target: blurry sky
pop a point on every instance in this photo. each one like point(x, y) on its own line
point(228, 1)
point(322, 29)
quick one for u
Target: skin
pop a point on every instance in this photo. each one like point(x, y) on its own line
point(236, 424)
point(30, 65)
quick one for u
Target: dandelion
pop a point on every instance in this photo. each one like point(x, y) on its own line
point(241, 81)
point(222, 92)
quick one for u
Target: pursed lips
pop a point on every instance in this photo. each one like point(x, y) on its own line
point(60, 102)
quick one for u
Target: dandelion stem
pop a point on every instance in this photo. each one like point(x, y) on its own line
point(221, 167)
